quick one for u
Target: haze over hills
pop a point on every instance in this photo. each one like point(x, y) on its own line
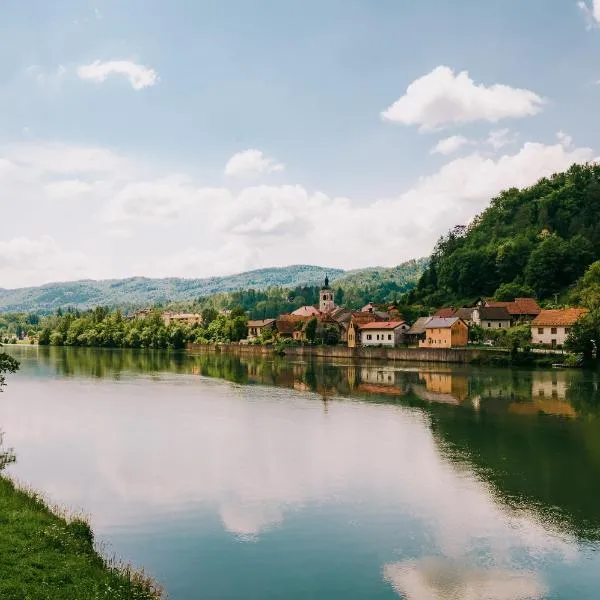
point(142, 291)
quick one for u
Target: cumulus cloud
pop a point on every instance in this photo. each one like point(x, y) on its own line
point(139, 76)
point(591, 12)
point(216, 230)
point(443, 98)
point(251, 163)
point(449, 145)
point(498, 138)
point(28, 261)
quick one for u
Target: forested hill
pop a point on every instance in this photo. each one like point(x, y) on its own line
point(377, 283)
point(538, 240)
point(141, 291)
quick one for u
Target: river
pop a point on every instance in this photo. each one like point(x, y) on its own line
point(265, 478)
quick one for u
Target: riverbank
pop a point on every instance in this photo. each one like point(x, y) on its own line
point(481, 356)
point(45, 555)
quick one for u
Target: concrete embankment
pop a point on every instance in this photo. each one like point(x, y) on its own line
point(448, 355)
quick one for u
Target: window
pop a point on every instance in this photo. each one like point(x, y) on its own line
point(540, 331)
point(377, 337)
point(389, 336)
point(500, 325)
point(567, 330)
point(553, 330)
point(489, 324)
point(368, 336)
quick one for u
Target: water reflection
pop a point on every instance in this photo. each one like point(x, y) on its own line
point(489, 468)
point(437, 578)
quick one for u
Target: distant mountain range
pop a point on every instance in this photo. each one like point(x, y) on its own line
point(142, 291)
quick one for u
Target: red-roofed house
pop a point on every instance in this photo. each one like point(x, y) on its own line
point(445, 313)
point(552, 327)
point(382, 333)
point(520, 309)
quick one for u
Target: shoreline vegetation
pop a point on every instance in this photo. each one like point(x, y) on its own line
point(46, 553)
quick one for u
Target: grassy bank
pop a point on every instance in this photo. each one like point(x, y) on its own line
point(44, 556)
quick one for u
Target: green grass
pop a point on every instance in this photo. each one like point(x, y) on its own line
point(45, 556)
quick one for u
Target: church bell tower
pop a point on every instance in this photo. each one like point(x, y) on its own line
point(326, 298)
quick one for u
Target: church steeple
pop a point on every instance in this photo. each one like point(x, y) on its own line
point(326, 299)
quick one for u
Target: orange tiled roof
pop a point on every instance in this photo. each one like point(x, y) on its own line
point(559, 317)
point(520, 306)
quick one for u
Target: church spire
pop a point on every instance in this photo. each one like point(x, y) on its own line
point(326, 281)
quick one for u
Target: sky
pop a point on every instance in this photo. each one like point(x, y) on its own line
point(208, 137)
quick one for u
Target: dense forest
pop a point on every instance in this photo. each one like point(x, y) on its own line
point(534, 241)
point(354, 290)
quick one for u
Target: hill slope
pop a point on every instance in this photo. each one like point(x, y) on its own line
point(538, 240)
point(141, 291)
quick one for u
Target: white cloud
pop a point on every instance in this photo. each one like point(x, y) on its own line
point(443, 98)
point(139, 76)
point(498, 138)
point(591, 12)
point(213, 231)
point(68, 189)
point(251, 163)
point(449, 145)
point(29, 261)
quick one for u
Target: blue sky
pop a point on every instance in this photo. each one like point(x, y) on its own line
point(119, 119)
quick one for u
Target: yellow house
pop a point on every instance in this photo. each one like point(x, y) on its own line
point(445, 332)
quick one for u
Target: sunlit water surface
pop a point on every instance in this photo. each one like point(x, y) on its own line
point(258, 478)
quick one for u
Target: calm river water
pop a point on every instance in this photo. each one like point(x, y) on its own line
point(257, 478)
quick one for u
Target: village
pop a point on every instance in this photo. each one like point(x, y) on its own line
point(384, 326)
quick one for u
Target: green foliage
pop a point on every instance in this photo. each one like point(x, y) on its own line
point(141, 291)
point(105, 329)
point(311, 330)
point(542, 237)
point(587, 292)
point(584, 338)
point(507, 292)
point(8, 364)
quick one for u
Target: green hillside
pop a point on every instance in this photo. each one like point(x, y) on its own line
point(141, 291)
point(538, 240)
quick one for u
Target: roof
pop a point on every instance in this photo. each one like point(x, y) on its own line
point(445, 313)
point(383, 325)
point(418, 326)
point(466, 314)
point(519, 306)
point(494, 313)
point(286, 326)
point(559, 317)
point(306, 311)
point(441, 322)
point(261, 323)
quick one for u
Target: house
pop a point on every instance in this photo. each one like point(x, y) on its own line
point(257, 328)
point(183, 318)
point(445, 332)
point(492, 317)
point(417, 332)
point(445, 313)
point(383, 333)
point(520, 309)
point(306, 311)
point(466, 314)
point(552, 327)
point(287, 325)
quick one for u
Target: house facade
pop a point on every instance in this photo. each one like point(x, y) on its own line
point(552, 327)
point(183, 318)
point(388, 334)
point(492, 317)
point(256, 328)
point(445, 332)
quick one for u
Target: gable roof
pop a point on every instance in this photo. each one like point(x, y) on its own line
point(418, 326)
point(519, 306)
point(261, 323)
point(382, 325)
point(466, 314)
point(306, 311)
point(445, 313)
point(494, 313)
point(442, 322)
point(559, 317)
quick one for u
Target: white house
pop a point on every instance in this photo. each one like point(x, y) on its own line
point(383, 333)
point(492, 317)
point(552, 327)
